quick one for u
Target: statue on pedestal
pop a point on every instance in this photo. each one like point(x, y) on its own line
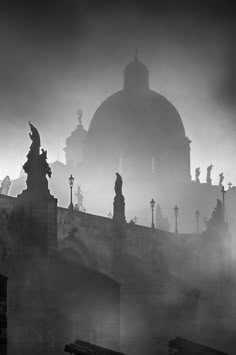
point(35, 137)
point(118, 185)
point(197, 174)
point(208, 178)
point(36, 166)
point(5, 186)
point(221, 179)
point(36, 207)
point(119, 201)
point(217, 217)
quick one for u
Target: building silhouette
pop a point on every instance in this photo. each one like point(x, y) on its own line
point(140, 134)
point(122, 286)
point(74, 148)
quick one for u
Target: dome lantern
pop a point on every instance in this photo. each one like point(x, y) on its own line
point(136, 76)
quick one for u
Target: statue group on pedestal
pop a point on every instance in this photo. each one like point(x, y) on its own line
point(36, 166)
point(208, 177)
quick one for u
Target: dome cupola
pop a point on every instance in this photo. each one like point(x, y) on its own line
point(136, 77)
point(138, 131)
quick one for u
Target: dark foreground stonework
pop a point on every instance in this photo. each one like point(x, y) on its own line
point(3, 315)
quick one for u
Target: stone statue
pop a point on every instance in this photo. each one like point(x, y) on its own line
point(218, 212)
point(36, 166)
point(118, 185)
point(35, 137)
point(80, 198)
point(197, 174)
point(221, 179)
point(45, 168)
point(208, 178)
point(217, 217)
point(161, 221)
point(80, 114)
point(5, 186)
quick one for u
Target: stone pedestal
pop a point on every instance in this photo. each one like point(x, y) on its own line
point(118, 235)
point(119, 210)
point(38, 220)
point(36, 211)
point(3, 315)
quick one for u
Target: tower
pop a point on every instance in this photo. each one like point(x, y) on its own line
point(74, 148)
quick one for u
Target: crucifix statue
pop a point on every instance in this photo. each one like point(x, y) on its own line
point(230, 185)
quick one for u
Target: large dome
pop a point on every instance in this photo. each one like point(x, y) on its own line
point(138, 126)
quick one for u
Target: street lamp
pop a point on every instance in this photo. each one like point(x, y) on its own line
point(176, 209)
point(71, 182)
point(223, 200)
point(110, 214)
point(152, 204)
point(197, 213)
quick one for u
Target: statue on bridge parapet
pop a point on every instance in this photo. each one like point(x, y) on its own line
point(197, 174)
point(119, 223)
point(221, 179)
point(44, 167)
point(36, 166)
point(36, 205)
point(208, 178)
point(5, 186)
point(35, 137)
point(118, 185)
point(119, 201)
point(217, 223)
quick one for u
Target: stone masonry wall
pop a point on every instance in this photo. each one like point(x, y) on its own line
point(94, 233)
point(3, 315)
point(187, 255)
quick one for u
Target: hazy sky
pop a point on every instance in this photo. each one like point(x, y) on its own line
point(57, 56)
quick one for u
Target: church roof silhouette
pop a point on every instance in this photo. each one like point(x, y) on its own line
point(136, 121)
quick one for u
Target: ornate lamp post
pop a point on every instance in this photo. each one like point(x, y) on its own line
point(152, 204)
point(71, 182)
point(197, 214)
point(176, 209)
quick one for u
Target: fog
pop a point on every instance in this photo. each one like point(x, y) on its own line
point(56, 57)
